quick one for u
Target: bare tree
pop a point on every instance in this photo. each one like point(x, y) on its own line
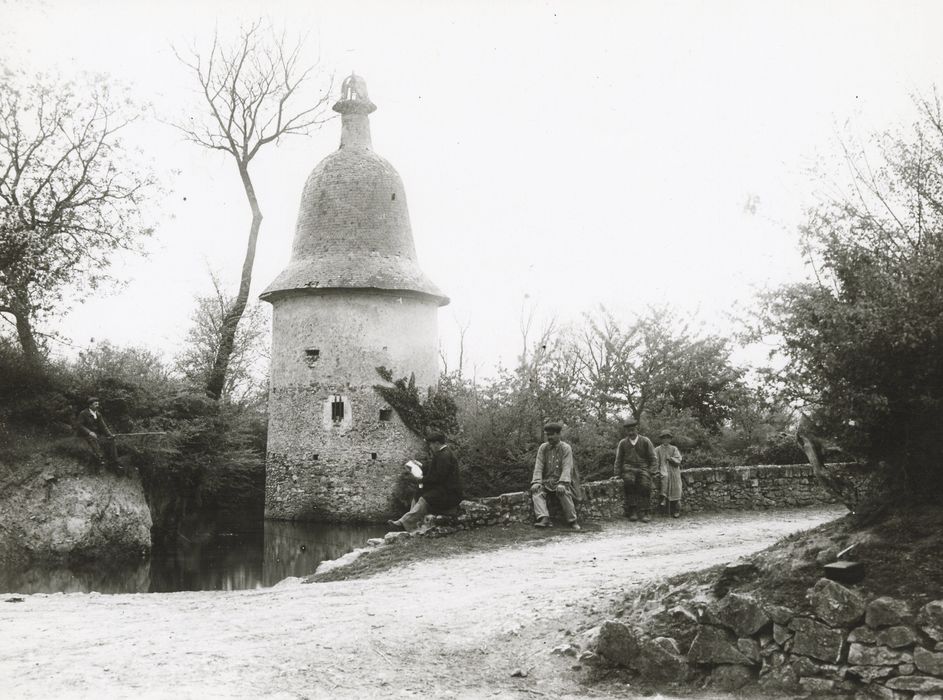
point(256, 92)
point(69, 195)
point(462, 330)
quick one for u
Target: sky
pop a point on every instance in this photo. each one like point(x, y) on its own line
point(557, 156)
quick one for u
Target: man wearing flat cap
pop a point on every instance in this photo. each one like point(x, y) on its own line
point(92, 427)
point(440, 486)
point(556, 473)
point(635, 467)
point(669, 468)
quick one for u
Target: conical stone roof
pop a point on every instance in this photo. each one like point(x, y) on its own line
point(353, 229)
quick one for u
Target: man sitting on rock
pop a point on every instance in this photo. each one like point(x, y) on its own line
point(440, 486)
point(555, 472)
point(97, 434)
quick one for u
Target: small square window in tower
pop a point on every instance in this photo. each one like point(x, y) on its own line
point(337, 409)
point(386, 414)
point(312, 355)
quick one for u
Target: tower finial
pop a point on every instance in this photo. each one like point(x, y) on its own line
point(355, 106)
point(354, 98)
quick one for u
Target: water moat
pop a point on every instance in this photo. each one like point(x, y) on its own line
point(257, 555)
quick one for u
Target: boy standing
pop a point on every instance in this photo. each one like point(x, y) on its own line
point(669, 467)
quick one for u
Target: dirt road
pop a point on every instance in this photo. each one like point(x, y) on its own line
point(447, 628)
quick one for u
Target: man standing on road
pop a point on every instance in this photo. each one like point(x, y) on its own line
point(555, 472)
point(97, 434)
point(440, 486)
point(635, 466)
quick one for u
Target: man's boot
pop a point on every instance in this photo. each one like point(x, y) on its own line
point(646, 518)
point(633, 514)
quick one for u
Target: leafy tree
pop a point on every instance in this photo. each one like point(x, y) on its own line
point(654, 363)
point(254, 93)
point(70, 195)
point(249, 346)
point(863, 338)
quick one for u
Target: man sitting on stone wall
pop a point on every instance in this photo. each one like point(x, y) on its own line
point(635, 467)
point(440, 486)
point(555, 472)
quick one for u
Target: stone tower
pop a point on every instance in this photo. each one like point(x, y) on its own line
point(351, 299)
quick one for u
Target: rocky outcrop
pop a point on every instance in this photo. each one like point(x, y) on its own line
point(59, 513)
point(841, 645)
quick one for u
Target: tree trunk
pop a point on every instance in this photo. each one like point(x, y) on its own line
point(217, 379)
point(20, 310)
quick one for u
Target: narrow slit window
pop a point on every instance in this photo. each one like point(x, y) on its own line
point(373, 455)
point(314, 457)
point(337, 409)
point(386, 414)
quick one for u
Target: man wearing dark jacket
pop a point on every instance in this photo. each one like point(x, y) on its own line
point(635, 467)
point(440, 487)
point(97, 434)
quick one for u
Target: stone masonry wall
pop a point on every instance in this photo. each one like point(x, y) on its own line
point(325, 350)
point(729, 488)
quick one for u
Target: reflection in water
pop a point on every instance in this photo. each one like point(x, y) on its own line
point(252, 558)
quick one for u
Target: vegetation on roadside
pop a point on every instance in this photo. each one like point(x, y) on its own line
point(862, 340)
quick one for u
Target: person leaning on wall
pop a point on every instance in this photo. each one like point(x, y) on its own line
point(669, 468)
point(635, 467)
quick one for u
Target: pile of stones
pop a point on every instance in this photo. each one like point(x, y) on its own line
point(842, 645)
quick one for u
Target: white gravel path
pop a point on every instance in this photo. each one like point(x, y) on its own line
point(444, 628)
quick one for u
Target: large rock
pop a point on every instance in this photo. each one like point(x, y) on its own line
point(863, 635)
point(816, 640)
point(658, 661)
point(930, 619)
point(879, 692)
point(928, 661)
point(713, 645)
point(617, 643)
point(836, 604)
point(62, 513)
point(896, 636)
point(861, 655)
point(731, 677)
point(781, 634)
point(679, 621)
point(739, 613)
point(750, 648)
point(781, 678)
point(818, 687)
point(916, 684)
point(805, 666)
point(779, 614)
point(869, 674)
point(886, 612)
point(668, 644)
point(735, 573)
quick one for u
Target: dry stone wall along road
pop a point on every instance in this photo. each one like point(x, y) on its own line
point(442, 628)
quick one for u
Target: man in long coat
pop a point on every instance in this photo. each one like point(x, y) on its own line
point(635, 467)
point(92, 426)
point(440, 487)
point(556, 473)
